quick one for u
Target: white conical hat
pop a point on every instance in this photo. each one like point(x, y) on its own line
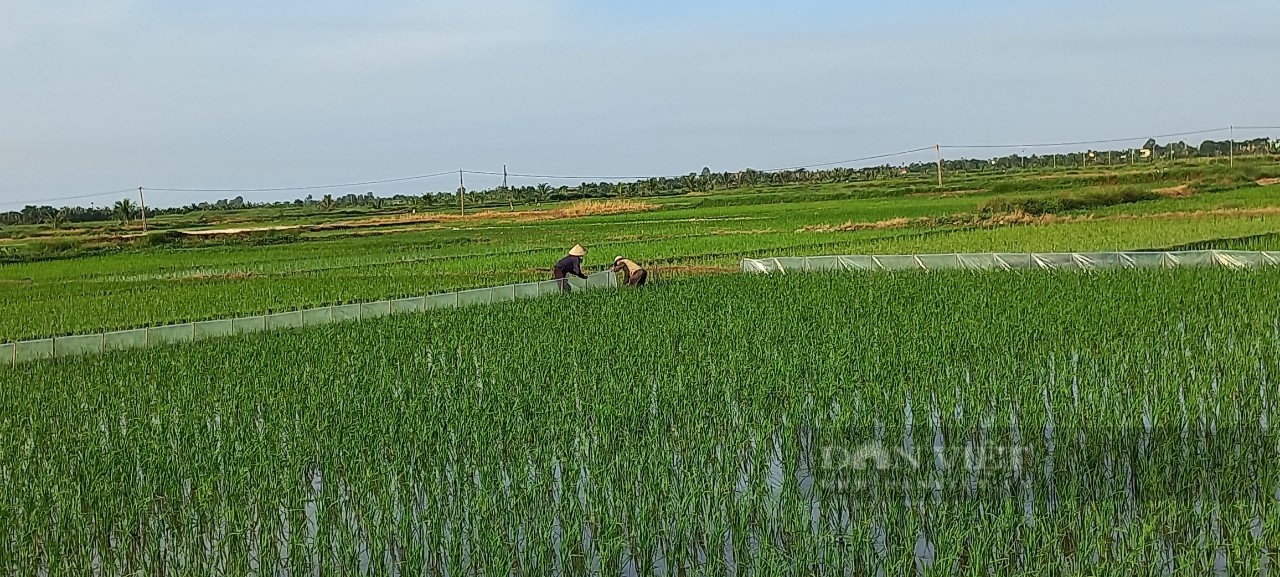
point(577, 250)
point(617, 258)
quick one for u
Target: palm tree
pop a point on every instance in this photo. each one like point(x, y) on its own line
point(690, 182)
point(124, 210)
point(326, 203)
point(541, 193)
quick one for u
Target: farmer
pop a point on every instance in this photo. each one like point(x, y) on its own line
point(636, 276)
point(569, 265)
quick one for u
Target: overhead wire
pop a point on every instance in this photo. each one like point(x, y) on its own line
point(1081, 142)
point(598, 177)
point(851, 161)
point(316, 187)
point(561, 177)
point(78, 196)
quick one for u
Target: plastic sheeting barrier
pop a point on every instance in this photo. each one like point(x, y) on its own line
point(408, 305)
point(527, 290)
point(220, 328)
point(13, 353)
point(345, 312)
point(475, 297)
point(77, 345)
point(121, 340)
point(321, 316)
point(250, 324)
point(287, 320)
point(1016, 261)
point(441, 301)
point(375, 310)
point(33, 350)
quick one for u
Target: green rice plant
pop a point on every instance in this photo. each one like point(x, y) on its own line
point(1028, 422)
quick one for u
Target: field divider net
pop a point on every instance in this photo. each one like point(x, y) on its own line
point(13, 353)
point(1078, 261)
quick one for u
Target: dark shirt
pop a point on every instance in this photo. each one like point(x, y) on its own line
point(570, 265)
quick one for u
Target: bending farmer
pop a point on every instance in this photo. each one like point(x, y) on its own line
point(569, 265)
point(636, 276)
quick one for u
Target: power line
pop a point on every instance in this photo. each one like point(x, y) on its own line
point(1107, 141)
point(317, 187)
point(559, 177)
point(78, 196)
point(851, 161)
point(597, 177)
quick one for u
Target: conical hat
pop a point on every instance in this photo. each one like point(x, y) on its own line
point(577, 250)
point(617, 258)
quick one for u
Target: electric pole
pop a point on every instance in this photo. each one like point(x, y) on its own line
point(143, 201)
point(511, 200)
point(938, 149)
point(1231, 147)
point(462, 192)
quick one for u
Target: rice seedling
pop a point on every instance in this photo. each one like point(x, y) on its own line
point(947, 423)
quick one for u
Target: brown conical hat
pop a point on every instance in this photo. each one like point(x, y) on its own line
point(577, 250)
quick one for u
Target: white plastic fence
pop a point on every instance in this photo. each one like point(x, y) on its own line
point(1016, 261)
point(23, 351)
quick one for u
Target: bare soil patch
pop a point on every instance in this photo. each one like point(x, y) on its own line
point(1268, 181)
point(576, 210)
point(1180, 191)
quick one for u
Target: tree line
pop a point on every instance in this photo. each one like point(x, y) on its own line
point(126, 211)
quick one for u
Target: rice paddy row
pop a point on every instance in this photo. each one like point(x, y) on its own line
point(985, 424)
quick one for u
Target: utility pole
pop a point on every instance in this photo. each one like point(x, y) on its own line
point(462, 192)
point(1231, 150)
point(143, 202)
point(511, 201)
point(938, 149)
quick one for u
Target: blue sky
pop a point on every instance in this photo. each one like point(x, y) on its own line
point(112, 94)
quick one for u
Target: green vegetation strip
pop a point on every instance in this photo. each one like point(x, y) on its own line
point(1035, 422)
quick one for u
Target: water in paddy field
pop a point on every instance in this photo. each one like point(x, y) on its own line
point(894, 505)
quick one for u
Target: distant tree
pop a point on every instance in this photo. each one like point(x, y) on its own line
point(326, 203)
point(690, 182)
point(123, 211)
point(60, 217)
point(541, 193)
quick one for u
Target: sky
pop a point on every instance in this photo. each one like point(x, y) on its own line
point(106, 95)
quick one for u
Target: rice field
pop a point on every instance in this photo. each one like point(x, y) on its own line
point(880, 424)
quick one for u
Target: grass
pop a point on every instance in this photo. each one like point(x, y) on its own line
point(493, 439)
